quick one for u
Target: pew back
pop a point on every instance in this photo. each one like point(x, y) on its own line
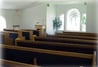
point(9, 37)
point(74, 37)
point(64, 58)
point(57, 46)
point(79, 34)
point(9, 63)
point(67, 40)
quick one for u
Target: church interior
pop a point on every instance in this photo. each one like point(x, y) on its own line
point(48, 33)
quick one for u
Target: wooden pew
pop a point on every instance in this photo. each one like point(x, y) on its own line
point(64, 39)
point(9, 63)
point(51, 39)
point(79, 34)
point(79, 59)
point(79, 40)
point(67, 40)
point(74, 37)
point(9, 37)
point(57, 46)
point(30, 36)
point(35, 32)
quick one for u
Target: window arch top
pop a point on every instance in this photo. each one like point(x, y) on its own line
point(73, 20)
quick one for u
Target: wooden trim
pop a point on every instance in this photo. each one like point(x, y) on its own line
point(17, 64)
point(52, 52)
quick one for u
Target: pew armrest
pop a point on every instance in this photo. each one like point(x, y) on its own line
point(16, 64)
point(18, 38)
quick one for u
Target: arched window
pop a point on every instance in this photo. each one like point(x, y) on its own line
point(2, 23)
point(83, 23)
point(73, 20)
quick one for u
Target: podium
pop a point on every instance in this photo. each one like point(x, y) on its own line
point(41, 29)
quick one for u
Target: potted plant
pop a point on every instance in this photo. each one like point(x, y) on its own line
point(57, 23)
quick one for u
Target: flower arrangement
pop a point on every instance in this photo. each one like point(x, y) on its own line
point(57, 23)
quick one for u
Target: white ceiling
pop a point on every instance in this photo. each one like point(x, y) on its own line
point(16, 4)
point(19, 4)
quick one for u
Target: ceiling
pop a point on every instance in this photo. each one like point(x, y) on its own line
point(19, 4)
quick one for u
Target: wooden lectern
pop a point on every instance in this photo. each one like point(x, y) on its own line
point(41, 29)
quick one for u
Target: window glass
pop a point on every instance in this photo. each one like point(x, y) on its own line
point(83, 23)
point(73, 20)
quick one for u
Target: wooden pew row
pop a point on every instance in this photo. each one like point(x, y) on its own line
point(9, 37)
point(79, 34)
point(53, 52)
point(74, 37)
point(35, 32)
point(9, 63)
point(14, 36)
point(68, 33)
point(63, 39)
point(67, 40)
point(42, 54)
point(28, 35)
point(81, 48)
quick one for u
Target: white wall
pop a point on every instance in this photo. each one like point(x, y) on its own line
point(50, 17)
point(28, 17)
point(91, 17)
point(11, 17)
point(32, 15)
point(97, 16)
point(63, 9)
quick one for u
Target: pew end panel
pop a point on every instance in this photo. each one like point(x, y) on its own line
point(9, 37)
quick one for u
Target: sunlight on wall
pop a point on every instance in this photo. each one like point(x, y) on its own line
point(2, 23)
point(62, 19)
